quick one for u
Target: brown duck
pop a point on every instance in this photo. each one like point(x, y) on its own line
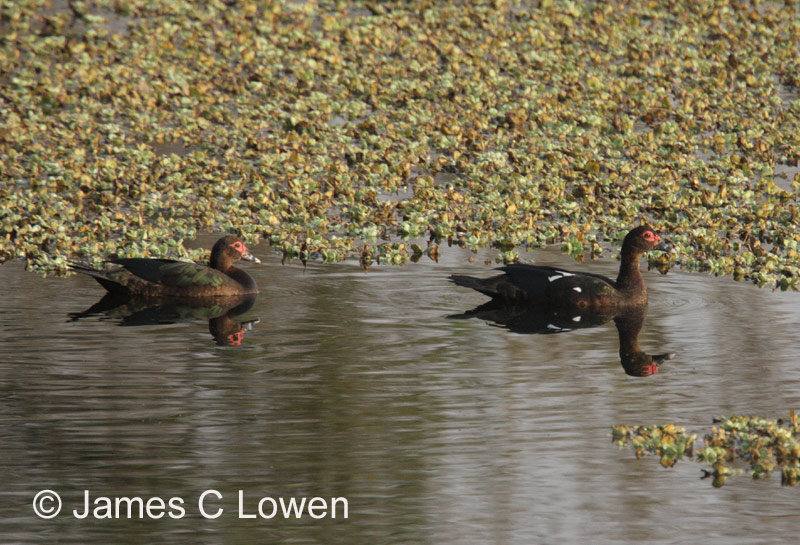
point(179, 279)
point(554, 287)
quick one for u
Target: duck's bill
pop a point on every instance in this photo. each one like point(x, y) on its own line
point(250, 257)
point(664, 244)
point(249, 324)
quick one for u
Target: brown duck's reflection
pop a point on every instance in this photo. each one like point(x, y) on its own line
point(532, 320)
point(219, 311)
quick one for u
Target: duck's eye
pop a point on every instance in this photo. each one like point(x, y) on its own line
point(649, 236)
point(238, 246)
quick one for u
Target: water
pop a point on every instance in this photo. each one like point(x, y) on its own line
point(358, 385)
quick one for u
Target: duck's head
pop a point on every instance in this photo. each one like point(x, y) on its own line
point(641, 240)
point(640, 364)
point(229, 250)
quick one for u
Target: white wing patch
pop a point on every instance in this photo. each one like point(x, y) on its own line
point(576, 319)
point(555, 328)
point(559, 274)
point(576, 288)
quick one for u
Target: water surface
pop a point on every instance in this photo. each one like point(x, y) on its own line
point(357, 385)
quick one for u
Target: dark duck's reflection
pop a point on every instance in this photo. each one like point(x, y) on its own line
point(634, 360)
point(542, 299)
point(526, 319)
point(221, 313)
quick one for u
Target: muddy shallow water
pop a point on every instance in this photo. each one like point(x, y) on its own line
point(358, 385)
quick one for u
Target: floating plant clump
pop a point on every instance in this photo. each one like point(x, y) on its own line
point(340, 130)
point(763, 445)
point(669, 442)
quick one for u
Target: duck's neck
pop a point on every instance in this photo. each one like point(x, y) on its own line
point(242, 278)
point(635, 361)
point(628, 326)
point(629, 278)
point(220, 263)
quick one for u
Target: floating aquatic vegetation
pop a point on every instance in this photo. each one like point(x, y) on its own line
point(669, 442)
point(323, 126)
point(761, 444)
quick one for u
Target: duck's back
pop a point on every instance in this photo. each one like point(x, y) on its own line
point(547, 286)
point(166, 277)
point(558, 287)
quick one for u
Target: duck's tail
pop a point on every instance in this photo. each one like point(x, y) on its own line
point(486, 286)
point(465, 281)
point(83, 269)
point(101, 277)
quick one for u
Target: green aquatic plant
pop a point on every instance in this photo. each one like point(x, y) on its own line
point(669, 442)
point(324, 126)
point(763, 445)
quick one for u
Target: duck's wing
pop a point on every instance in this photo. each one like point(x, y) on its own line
point(536, 283)
point(144, 268)
point(538, 279)
point(168, 272)
point(188, 275)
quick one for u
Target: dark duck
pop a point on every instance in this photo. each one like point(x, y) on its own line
point(554, 287)
point(167, 278)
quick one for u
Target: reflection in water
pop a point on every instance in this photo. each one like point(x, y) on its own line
point(634, 360)
point(219, 311)
point(529, 319)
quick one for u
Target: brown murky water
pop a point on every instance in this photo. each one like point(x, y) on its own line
point(358, 385)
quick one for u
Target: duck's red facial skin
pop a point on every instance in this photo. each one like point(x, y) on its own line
point(235, 339)
point(240, 247)
point(650, 236)
point(648, 370)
